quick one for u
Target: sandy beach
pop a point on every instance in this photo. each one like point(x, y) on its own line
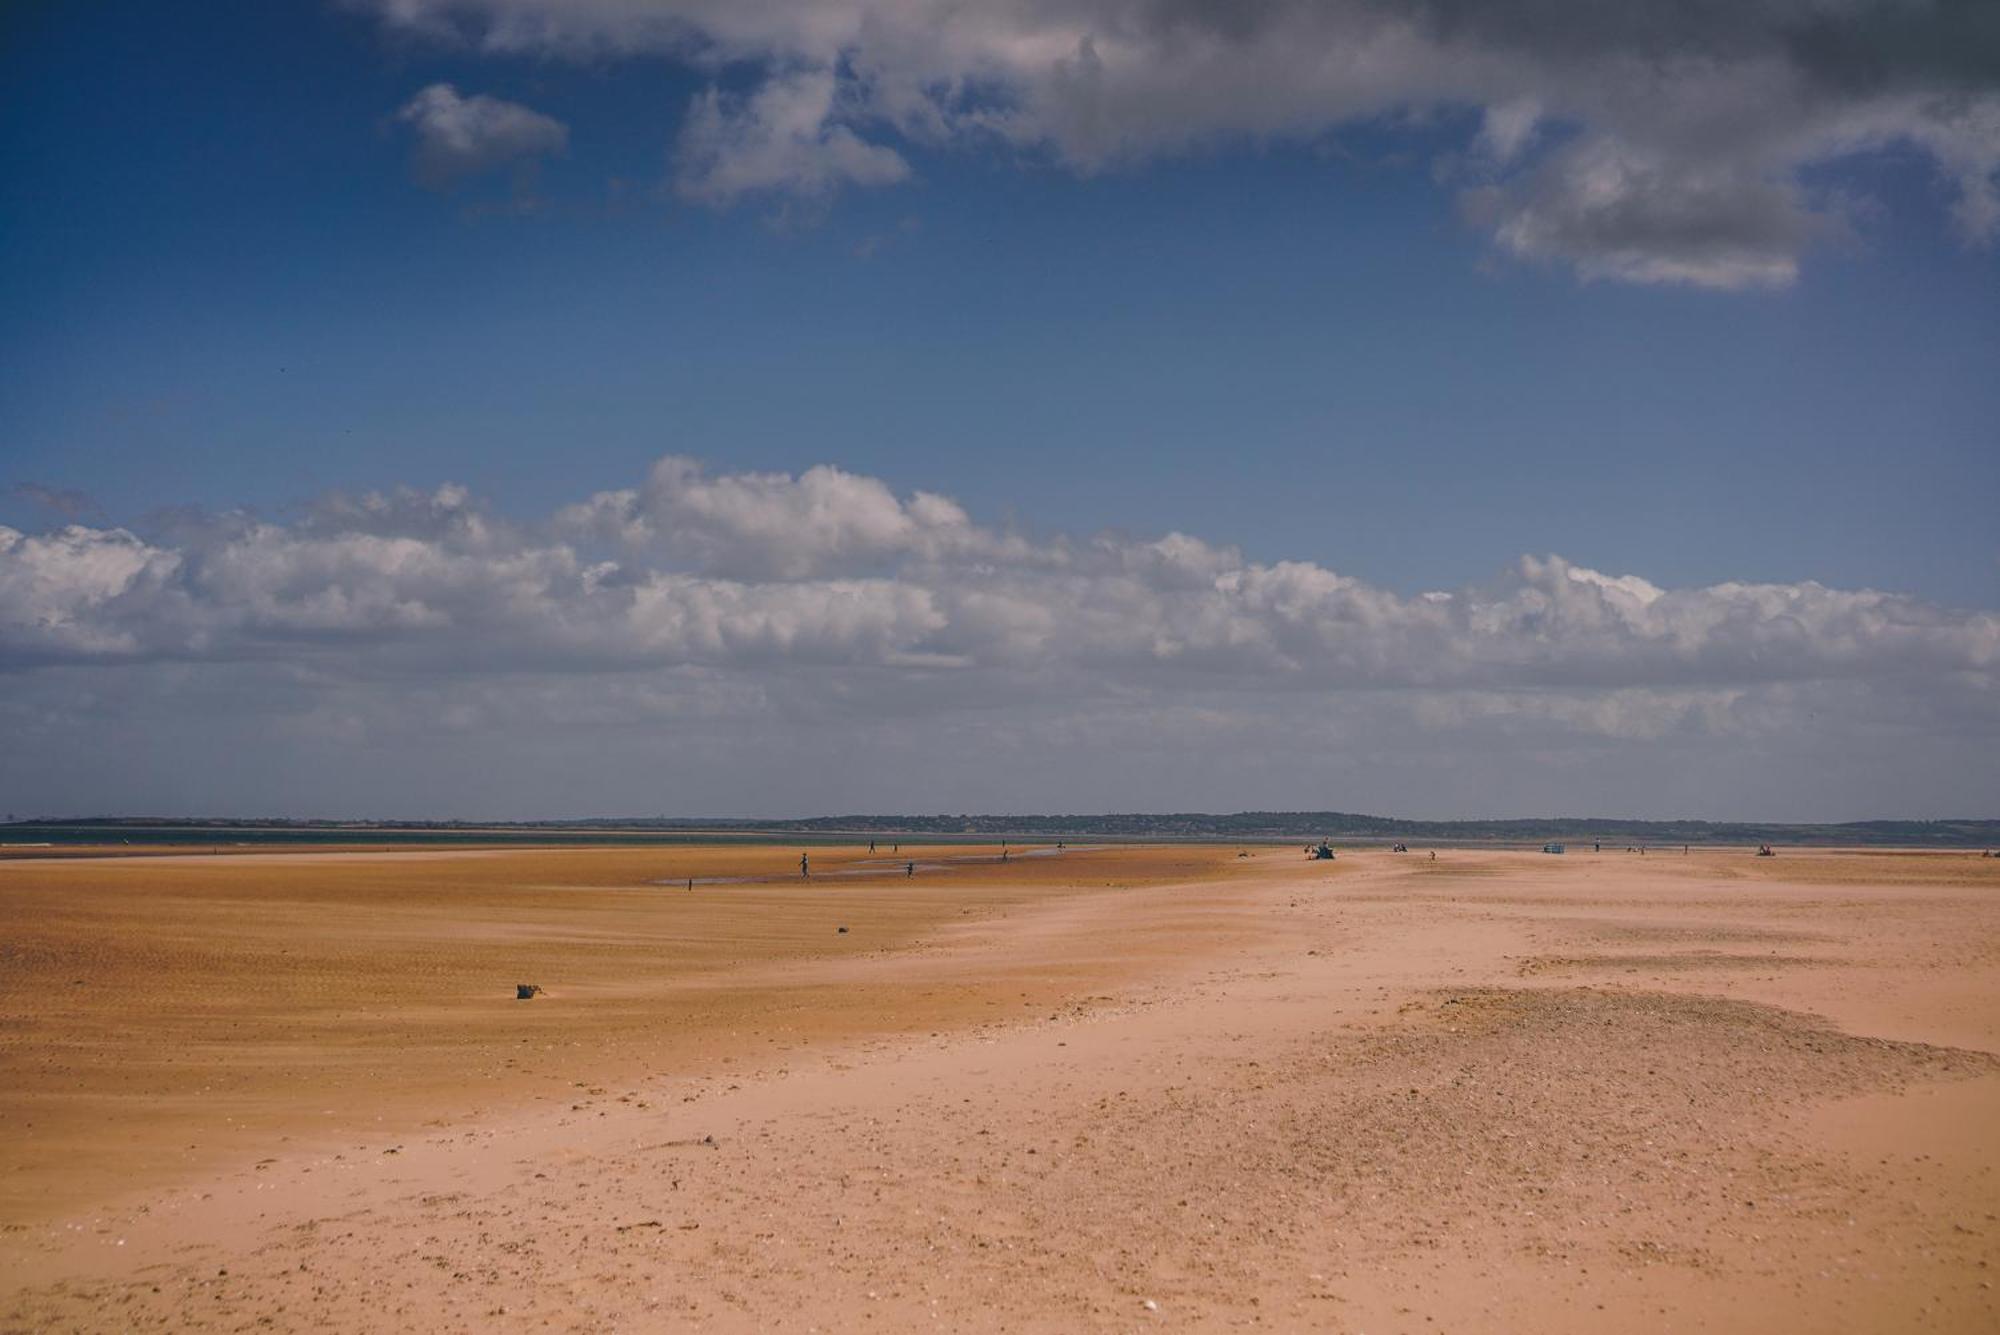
point(1118, 1089)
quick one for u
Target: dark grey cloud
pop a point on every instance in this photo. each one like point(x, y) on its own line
point(1675, 133)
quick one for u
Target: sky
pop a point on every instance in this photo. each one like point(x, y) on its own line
point(523, 408)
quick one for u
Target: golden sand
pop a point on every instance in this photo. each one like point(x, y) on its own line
point(1497, 1091)
point(170, 1011)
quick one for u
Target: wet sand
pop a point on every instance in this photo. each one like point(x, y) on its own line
point(1124, 1088)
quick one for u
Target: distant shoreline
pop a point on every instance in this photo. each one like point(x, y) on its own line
point(1244, 827)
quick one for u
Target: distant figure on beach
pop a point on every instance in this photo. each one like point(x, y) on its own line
point(805, 866)
point(909, 869)
point(1434, 855)
point(1003, 852)
point(1597, 848)
point(871, 845)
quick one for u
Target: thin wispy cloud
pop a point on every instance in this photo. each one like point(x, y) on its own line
point(785, 138)
point(456, 137)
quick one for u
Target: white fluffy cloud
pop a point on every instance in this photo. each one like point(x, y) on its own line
point(458, 137)
point(1641, 140)
point(828, 570)
point(767, 642)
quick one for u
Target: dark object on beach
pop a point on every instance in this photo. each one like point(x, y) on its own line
point(1764, 851)
point(526, 991)
point(909, 869)
point(843, 931)
point(1323, 852)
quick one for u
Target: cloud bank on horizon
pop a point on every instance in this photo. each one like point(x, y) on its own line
point(1649, 141)
point(768, 643)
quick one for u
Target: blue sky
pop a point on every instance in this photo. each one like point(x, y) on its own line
point(223, 287)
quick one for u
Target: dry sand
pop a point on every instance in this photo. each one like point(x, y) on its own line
point(1118, 1089)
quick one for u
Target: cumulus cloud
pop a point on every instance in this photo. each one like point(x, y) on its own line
point(1641, 140)
point(776, 524)
point(830, 567)
point(739, 613)
point(457, 137)
point(1618, 215)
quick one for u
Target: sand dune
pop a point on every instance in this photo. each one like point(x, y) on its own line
point(1135, 1087)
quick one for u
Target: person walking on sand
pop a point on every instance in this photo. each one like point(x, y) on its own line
point(909, 869)
point(805, 866)
point(871, 845)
